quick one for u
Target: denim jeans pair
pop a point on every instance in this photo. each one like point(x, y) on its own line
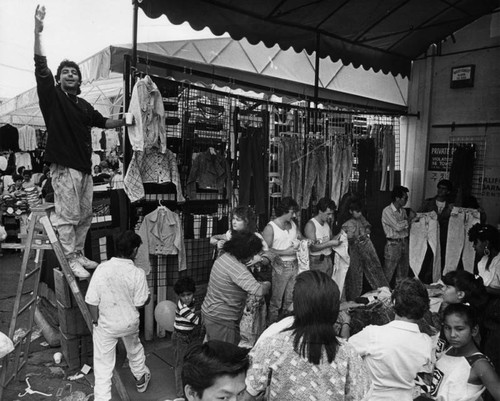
point(425, 232)
point(181, 342)
point(458, 245)
point(252, 177)
point(388, 158)
point(316, 172)
point(341, 168)
point(283, 282)
point(396, 259)
point(290, 163)
point(364, 263)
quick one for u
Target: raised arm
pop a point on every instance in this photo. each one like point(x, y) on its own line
point(39, 23)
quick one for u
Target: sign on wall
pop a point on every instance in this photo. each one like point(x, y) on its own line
point(440, 157)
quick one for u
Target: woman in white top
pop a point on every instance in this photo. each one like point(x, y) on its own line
point(462, 373)
point(486, 239)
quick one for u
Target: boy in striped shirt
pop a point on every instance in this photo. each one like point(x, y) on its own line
point(186, 326)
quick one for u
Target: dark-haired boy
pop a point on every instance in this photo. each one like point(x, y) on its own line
point(215, 370)
point(68, 119)
point(186, 326)
point(117, 289)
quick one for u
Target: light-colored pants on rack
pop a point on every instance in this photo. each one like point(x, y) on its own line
point(316, 171)
point(283, 281)
point(105, 358)
point(388, 158)
point(73, 192)
point(425, 232)
point(290, 162)
point(458, 244)
point(341, 167)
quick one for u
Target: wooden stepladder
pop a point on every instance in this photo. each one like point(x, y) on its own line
point(40, 237)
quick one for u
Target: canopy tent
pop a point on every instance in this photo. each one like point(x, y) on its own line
point(229, 65)
point(380, 34)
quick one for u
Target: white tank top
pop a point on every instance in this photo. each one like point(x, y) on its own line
point(282, 239)
point(322, 235)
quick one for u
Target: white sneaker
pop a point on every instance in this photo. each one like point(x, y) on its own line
point(85, 262)
point(78, 269)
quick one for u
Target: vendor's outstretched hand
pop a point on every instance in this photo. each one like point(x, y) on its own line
point(39, 18)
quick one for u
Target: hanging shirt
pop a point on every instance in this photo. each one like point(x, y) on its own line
point(161, 234)
point(151, 166)
point(210, 171)
point(146, 104)
point(27, 138)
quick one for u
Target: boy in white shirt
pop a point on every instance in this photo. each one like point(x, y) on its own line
point(116, 290)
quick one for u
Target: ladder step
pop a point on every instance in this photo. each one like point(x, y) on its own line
point(27, 306)
point(38, 236)
point(42, 209)
point(12, 245)
point(28, 275)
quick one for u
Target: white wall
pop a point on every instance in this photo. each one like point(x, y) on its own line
point(430, 95)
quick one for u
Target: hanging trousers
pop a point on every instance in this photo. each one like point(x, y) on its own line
point(316, 171)
point(364, 262)
point(366, 163)
point(252, 150)
point(423, 233)
point(341, 168)
point(458, 245)
point(290, 163)
point(388, 158)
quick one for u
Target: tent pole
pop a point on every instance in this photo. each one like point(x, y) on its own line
point(134, 33)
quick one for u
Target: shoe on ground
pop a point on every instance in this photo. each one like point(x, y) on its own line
point(85, 262)
point(78, 269)
point(142, 383)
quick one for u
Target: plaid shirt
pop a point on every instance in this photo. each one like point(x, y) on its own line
point(151, 166)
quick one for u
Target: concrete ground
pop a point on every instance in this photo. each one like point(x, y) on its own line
point(51, 378)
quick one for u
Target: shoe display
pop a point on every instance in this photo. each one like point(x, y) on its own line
point(142, 383)
point(78, 269)
point(85, 262)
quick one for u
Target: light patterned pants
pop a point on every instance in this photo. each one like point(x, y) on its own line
point(105, 359)
point(283, 282)
point(73, 191)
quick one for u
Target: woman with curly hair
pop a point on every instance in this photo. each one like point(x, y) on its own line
point(229, 284)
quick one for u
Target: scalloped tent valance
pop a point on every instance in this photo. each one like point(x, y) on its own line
point(385, 35)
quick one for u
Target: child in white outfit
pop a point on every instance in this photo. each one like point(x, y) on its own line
point(116, 290)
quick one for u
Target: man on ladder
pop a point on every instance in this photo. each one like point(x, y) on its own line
point(68, 119)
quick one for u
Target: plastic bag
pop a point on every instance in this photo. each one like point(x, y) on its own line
point(6, 345)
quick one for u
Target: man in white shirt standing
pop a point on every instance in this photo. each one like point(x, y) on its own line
point(318, 231)
point(396, 224)
point(397, 351)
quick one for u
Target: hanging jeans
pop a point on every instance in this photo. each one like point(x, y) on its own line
point(461, 172)
point(316, 170)
point(396, 259)
point(388, 158)
point(341, 261)
point(340, 170)
point(458, 245)
point(366, 163)
point(364, 262)
point(252, 150)
point(425, 232)
point(290, 163)
point(283, 281)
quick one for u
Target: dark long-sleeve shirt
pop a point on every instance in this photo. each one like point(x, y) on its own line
point(68, 121)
